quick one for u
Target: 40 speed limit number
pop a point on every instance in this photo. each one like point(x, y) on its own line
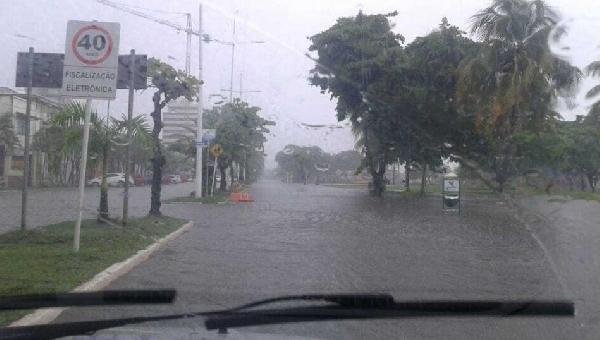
point(91, 59)
point(92, 44)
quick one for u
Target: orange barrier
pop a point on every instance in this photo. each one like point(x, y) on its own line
point(240, 197)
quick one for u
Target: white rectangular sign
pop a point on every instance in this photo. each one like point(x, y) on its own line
point(208, 135)
point(91, 59)
point(451, 185)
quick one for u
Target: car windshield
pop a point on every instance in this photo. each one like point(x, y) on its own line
point(242, 150)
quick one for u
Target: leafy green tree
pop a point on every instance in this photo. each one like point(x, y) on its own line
point(346, 161)
point(302, 162)
point(8, 138)
point(241, 133)
point(511, 83)
point(431, 126)
point(582, 152)
point(169, 84)
point(354, 55)
point(185, 146)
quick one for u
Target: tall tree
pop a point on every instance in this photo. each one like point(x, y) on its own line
point(241, 133)
point(169, 84)
point(430, 125)
point(513, 81)
point(352, 56)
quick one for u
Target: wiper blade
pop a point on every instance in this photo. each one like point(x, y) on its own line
point(343, 306)
point(348, 300)
point(395, 310)
point(100, 298)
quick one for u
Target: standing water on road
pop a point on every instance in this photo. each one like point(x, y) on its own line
point(435, 163)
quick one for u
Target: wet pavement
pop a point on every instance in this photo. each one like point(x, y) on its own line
point(299, 239)
point(54, 205)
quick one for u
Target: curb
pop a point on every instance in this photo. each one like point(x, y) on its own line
point(102, 279)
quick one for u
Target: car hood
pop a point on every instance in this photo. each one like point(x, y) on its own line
point(168, 333)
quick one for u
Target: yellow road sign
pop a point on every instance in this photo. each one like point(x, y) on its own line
point(216, 150)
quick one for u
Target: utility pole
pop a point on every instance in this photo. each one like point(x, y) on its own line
point(26, 146)
point(129, 136)
point(199, 146)
point(188, 67)
point(242, 91)
point(232, 61)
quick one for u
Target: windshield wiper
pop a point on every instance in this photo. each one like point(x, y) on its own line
point(341, 306)
point(393, 310)
point(80, 299)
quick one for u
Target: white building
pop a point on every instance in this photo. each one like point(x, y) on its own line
point(179, 121)
point(13, 104)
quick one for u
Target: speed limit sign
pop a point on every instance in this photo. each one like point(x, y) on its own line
point(91, 59)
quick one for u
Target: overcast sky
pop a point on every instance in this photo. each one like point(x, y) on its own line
point(278, 68)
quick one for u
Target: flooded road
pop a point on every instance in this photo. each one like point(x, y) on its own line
point(299, 239)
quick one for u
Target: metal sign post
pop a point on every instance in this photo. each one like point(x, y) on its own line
point(451, 194)
point(89, 71)
point(125, 217)
point(26, 164)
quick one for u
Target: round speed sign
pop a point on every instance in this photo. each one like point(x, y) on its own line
point(92, 44)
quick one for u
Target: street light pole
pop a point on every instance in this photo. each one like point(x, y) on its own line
point(198, 192)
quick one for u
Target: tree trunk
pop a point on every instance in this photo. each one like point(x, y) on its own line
point(378, 185)
point(232, 173)
point(592, 181)
point(103, 210)
point(158, 159)
point(223, 184)
point(423, 178)
point(407, 176)
point(377, 172)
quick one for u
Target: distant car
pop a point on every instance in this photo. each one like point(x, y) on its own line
point(175, 179)
point(112, 179)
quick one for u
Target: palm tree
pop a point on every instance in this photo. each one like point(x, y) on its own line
point(114, 134)
point(69, 121)
point(513, 82)
point(593, 117)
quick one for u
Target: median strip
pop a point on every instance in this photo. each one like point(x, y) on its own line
point(42, 260)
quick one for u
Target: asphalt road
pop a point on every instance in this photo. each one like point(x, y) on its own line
point(53, 205)
point(313, 239)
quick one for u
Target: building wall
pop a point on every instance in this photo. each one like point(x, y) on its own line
point(179, 120)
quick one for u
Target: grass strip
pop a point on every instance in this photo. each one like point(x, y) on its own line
point(42, 260)
point(219, 197)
